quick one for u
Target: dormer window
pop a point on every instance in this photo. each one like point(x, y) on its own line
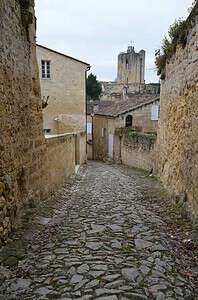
point(45, 65)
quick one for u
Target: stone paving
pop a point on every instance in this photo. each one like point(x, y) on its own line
point(103, 242)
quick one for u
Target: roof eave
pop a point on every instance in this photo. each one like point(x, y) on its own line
point(65, 55)
point(136, 107)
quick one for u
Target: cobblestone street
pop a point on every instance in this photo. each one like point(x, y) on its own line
point(103, 241)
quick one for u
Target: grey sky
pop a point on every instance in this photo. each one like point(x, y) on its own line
point(97, 30)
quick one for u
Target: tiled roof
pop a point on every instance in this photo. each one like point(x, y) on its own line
point(96, 105)
point(116, 108)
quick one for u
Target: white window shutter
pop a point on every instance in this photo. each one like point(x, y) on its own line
point(154, 112)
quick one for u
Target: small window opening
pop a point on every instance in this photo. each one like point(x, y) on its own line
point(45, 65)
point(47, 131)
point(129, 121)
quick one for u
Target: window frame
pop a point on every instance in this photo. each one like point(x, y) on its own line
point(46, 64)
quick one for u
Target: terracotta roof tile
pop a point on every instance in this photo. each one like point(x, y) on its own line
point(116, 108)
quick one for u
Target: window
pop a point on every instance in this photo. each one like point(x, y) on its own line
point(127, 63)
point(45, 65)
point(154, 112)
point(47, 131)
point(129, 121)
point(104, 132)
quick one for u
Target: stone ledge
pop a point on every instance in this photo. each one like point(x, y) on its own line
point(55, 136)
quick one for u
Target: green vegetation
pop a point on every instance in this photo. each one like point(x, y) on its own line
point(93, 87)
point(177, 35)
point(135, 133)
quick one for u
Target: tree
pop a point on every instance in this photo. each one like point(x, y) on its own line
point(94, 87)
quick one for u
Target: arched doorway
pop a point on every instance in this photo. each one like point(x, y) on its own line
point(129, 121)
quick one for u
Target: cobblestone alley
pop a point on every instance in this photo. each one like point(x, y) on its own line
point(104, 237)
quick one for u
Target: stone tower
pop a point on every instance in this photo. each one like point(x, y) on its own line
point(131, 67)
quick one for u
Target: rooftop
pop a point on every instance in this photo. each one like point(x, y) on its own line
point(116, 108)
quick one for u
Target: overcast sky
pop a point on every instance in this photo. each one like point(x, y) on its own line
point(96, 31)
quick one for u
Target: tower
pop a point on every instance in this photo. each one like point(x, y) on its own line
point(131, 67)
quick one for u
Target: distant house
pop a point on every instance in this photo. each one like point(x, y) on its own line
point(63, 81)
point(139, 111)
point(92, 108)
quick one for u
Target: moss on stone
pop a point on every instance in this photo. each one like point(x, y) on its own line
point(11, 261)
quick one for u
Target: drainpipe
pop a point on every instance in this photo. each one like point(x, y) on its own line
point(87, 69)
point(92, 134)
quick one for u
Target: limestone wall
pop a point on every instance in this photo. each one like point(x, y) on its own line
point(142, 118)
point(131, 67)
point(21, 139)
point(113, 91)
point(66, 110)
point(81, 155)
point(178, 127)
point(138, 152)
point(100, 137)
point(30, 166)
point(60, 161)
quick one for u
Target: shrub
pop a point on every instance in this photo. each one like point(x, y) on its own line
point(177, 35)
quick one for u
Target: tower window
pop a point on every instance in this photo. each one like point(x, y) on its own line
point(45, 67)
point(127, 63)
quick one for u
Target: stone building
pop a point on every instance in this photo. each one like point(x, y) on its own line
point(130, 78)
point(131, 67)
point(63, 82)
point(178, 126)
point(92, 108)
point(140, 112)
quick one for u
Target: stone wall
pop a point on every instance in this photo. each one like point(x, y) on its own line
point(21, 139)
point(81, 151)
point(178, 127)
point(142, 118)
point(113, 91)
point(131, 66)
point(100, 137)
point(138, 151)
point(30, 166)
point(60, 161)
point(66, 110)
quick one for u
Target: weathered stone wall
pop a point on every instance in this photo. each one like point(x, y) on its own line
point(100, 137)
point(60, 161)
point(113, 91)
point(131, 67)
point(66, 110)
point(89, 151)
point(81, 155)
point(138, 151)
point(142, 118)
point(21, 139)
point(30, 166)
point(178, 127)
